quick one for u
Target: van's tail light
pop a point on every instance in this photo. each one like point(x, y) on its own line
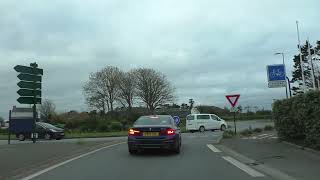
point(168, 131)
point(134, 132)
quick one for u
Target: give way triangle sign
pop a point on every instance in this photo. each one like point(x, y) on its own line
point(233, 99)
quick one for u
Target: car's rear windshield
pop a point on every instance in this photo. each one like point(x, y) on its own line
point(153, 120)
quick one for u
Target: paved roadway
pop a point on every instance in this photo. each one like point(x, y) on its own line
point(197, 160)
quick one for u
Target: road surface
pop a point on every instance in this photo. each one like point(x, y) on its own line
point(199, 159)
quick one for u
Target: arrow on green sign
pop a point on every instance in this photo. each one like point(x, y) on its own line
point(29, 92)
point(29, 85)
point(28, 70)
point(29, 100)
point(29, 77)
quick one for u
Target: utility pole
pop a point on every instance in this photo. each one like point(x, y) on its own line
point(312, 70)
point(301, 62)
point(285, 72)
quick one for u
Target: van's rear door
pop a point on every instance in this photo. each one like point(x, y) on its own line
point(191, 122)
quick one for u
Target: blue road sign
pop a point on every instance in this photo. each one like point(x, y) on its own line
point(276, 76)
point(176, 119)
point(276, 72)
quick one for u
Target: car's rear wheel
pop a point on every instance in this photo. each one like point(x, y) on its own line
point(47, 136)
point(202, 129)
point(223, 128)
point(177, 148)
point(21, 137)
point(132, 151)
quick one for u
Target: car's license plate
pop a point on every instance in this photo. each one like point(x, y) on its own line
point(151, 134)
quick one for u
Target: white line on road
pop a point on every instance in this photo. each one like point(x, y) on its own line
point(265, 136)
point(243, 167)
point(214, 149)
point(67, 161)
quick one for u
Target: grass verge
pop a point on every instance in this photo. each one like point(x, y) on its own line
point(95, 134)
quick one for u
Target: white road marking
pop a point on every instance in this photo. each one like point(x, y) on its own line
point(275, 137)
point(263, 134)
point(214, 149)
point(67, 161)
point(243, 167)
point(263, 137)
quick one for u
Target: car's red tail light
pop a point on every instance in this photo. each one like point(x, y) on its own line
point(133, 132)
point(170, 131)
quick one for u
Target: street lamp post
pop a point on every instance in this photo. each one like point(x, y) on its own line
point(285, 72)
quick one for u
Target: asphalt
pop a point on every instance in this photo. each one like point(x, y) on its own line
point(196, 161)
point(265, 149)
point(19, 160)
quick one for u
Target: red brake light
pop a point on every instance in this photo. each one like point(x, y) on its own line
point(170, 131)
point(133, 132)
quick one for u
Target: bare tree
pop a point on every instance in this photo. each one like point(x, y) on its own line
point(47, 109)
point(127, 87)
point(102, 89)
point(153, 88)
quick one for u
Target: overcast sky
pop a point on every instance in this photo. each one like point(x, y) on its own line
point(207, 49)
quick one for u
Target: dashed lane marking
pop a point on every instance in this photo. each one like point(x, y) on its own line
point(243, 167)
point(214, 149)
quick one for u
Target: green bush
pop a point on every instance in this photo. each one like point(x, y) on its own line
point(116, 126)
point(228, 134)
point(3, 131)
point(297, 118)
point(247, 132)
point(268, 128)
point(257, 130)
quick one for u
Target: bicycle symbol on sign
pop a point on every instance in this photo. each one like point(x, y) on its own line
point(276, 73)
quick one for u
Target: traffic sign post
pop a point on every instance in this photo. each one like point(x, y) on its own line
point(30, 91)
point(233, 100)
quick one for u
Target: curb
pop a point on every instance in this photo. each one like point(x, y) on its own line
point(302, 148)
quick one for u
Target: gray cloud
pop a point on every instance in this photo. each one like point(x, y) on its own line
point(206, 48)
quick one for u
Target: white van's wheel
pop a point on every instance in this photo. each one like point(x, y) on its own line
point(223, 128)
point(202, 129)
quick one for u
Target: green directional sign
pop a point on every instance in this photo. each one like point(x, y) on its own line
point(28, 70)
point(29, 77)
point(29, 92)
point(29, 85)
point(29, 100)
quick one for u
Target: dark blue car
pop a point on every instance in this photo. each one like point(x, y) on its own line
point(155, 131)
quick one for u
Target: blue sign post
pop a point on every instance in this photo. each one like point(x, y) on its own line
point(276, 76)
point(176, 119)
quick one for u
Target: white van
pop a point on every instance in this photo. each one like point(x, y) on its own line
point(202, 122)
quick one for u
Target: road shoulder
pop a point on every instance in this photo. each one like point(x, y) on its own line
point(273, 157)
point(25, 159)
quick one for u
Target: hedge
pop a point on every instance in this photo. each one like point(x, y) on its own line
point(298, 119)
